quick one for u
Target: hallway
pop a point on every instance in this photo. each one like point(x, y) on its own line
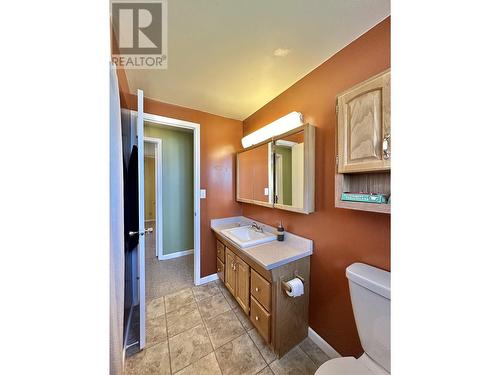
point(165, 276)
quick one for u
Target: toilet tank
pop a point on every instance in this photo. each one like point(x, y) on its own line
point(370, 289)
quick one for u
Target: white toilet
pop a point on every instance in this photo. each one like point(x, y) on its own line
point(370, 289)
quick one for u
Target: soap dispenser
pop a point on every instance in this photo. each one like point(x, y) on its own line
point(281, 232)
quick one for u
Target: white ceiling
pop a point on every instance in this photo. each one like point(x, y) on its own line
point(221, 52)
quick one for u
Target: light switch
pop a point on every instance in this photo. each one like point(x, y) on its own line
point(266, 191)
point(203, 194)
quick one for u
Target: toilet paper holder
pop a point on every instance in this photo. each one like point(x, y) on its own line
point(285, 285)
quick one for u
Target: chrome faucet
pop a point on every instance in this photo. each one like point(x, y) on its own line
point(257, 227)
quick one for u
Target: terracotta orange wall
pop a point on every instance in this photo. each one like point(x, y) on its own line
point(341, 236)
point(219, 140)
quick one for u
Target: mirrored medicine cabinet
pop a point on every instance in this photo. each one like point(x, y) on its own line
point(279, 172)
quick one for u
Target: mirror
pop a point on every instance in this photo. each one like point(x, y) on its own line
point(294, 170)
point(289, 170)
point(254, 175)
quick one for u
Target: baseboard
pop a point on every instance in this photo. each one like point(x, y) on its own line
point(175, 255)
point(323, 345)
point(208, 279)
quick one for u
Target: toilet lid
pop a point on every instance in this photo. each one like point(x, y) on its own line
point(343, 366)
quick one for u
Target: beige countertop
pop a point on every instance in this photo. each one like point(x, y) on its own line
point(271, 254)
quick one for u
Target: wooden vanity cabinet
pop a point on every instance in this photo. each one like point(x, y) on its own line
point(280, 320)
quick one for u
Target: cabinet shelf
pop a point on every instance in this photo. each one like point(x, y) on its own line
point(364, 142)
point(366, 182)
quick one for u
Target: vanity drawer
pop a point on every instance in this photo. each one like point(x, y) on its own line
point(220, 269)
point(261, 319)
point(261, 289)
point(220, 251)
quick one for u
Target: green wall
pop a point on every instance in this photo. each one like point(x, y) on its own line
point(286, 154)
point(177, 178)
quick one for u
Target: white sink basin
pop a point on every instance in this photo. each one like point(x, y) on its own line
point(246, 236)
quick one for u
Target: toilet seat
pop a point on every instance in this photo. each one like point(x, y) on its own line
point(343, 366)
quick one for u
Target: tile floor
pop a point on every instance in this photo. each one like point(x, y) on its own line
point(202, 330)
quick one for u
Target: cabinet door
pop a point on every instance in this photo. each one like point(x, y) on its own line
point(243, 284)
point(364, 126)
point(230, 271)
point(220, 270)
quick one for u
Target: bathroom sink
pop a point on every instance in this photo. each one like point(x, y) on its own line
point(247, 236)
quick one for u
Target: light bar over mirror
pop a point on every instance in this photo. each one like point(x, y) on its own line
point(282, 125)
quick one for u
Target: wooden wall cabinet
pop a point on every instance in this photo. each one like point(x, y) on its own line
point(364, 142)
point(364, 126)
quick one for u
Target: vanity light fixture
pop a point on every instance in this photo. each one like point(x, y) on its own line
point(282, 125)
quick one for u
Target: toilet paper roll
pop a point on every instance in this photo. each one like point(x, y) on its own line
point(296, 286)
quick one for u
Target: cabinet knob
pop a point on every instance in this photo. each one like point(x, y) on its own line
point(257, 289)
point(218, 269)
point(256, 318)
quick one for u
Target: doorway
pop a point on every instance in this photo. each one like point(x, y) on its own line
point(172, 206)
point(168, 208)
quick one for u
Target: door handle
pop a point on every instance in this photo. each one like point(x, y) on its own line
point(146, 231)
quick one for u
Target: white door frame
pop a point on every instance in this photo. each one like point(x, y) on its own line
point(141, 247)
point(167, 121)
point(158, 193)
